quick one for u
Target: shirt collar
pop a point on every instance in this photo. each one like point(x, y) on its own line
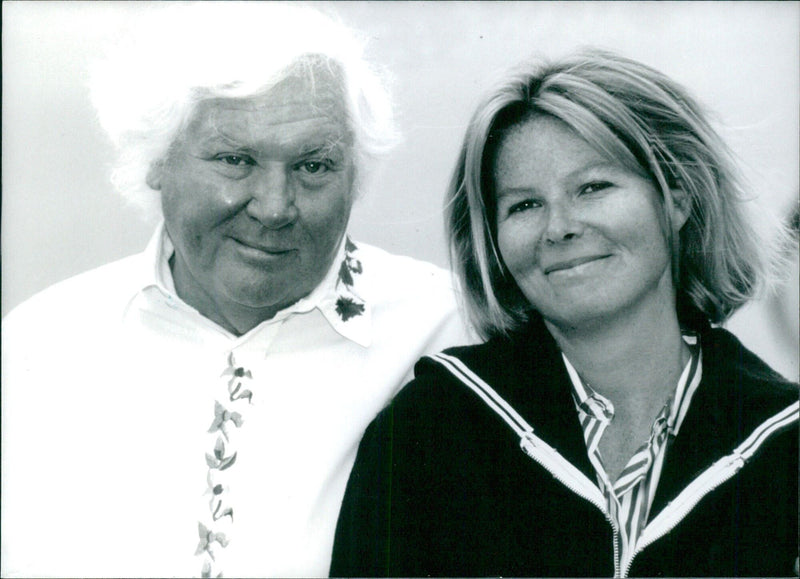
point(339, 297)
point(687, 384)
point(586, 399)
point(590, 402)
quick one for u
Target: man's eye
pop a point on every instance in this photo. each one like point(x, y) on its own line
point(314, 167)
point(235, 160)
point(595, 187)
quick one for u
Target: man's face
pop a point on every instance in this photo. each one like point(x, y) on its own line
point(256, 197)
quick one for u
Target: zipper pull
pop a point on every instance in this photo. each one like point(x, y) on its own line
point(528, 443)
point(738, 460)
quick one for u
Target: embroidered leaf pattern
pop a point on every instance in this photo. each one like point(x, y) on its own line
point(219, 449)
point(348, 306)
point(243, 394)
point(227, 462)
point(350, 265)
point(234, 371)
point(228, 419)
point(219, 512)
point(207, 538)
point(211, 461)
point(221, 417)
point(354, 265)
point(344, 274)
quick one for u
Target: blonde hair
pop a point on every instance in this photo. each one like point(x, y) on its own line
point(648, 123)
point(147, 88)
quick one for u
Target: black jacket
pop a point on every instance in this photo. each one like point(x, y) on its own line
point(441, 487)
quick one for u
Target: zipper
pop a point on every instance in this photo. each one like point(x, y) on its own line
point(712, 478)
point(664, 524)
point(572, 478)
point(536, 448)
point(563, 471)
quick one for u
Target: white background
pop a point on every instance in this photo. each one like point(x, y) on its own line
point(60, 216)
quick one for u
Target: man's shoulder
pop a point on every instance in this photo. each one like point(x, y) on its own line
point(386, 274)
point(96, 291)
point(412, 301)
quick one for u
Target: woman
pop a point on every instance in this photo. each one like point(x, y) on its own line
point(596, 224)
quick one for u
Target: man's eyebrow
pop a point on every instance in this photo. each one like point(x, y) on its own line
point(327, 146)
point(217, 137)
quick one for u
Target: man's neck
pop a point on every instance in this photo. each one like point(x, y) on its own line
point(238, 319)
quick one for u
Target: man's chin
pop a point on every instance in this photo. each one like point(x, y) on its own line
point(246, 299)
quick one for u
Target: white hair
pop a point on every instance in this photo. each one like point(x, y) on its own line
point(147, 88)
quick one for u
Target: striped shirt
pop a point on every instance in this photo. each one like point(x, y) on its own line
point(629, 498)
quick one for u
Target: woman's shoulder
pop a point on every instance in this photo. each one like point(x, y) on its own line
point(741, 395)
point(513, 366)
point(477, 357)
point(434, 384)
point(436, 393)
point(727, 359)
point(529, 348)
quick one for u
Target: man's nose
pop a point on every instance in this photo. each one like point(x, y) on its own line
point(562, 223)
point(272, 201)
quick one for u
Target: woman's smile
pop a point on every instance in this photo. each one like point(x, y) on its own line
point(575, 266)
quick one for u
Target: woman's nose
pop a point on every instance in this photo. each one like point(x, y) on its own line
point(272, 202)
point(562, 224)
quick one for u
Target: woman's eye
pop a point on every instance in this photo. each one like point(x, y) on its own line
point(314, 167)
point(523, 206)
point(595, 187)
point(235, 160)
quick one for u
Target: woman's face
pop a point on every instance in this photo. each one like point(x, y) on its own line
point(582, 236)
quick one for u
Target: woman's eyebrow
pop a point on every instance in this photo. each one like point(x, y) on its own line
point(501, 193)
point(602, 164)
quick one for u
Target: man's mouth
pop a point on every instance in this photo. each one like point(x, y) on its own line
point(264, 248)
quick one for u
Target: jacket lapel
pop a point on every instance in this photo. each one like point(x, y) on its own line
point(542, 393)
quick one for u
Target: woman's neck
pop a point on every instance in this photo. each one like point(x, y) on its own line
point(635, 361)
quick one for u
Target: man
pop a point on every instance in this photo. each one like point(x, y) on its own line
point(195, 409)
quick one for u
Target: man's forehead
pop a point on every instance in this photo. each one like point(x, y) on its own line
point(300, 108)
point(314, 89)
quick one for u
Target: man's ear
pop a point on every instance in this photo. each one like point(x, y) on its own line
point(682, 207)
point(154, 174)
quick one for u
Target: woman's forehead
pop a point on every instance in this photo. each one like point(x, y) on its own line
point(579, 134)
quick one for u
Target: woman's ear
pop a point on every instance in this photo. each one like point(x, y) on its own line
point(154, 174)
point(682, 208)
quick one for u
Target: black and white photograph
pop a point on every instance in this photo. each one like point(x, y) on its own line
point(400, 289)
